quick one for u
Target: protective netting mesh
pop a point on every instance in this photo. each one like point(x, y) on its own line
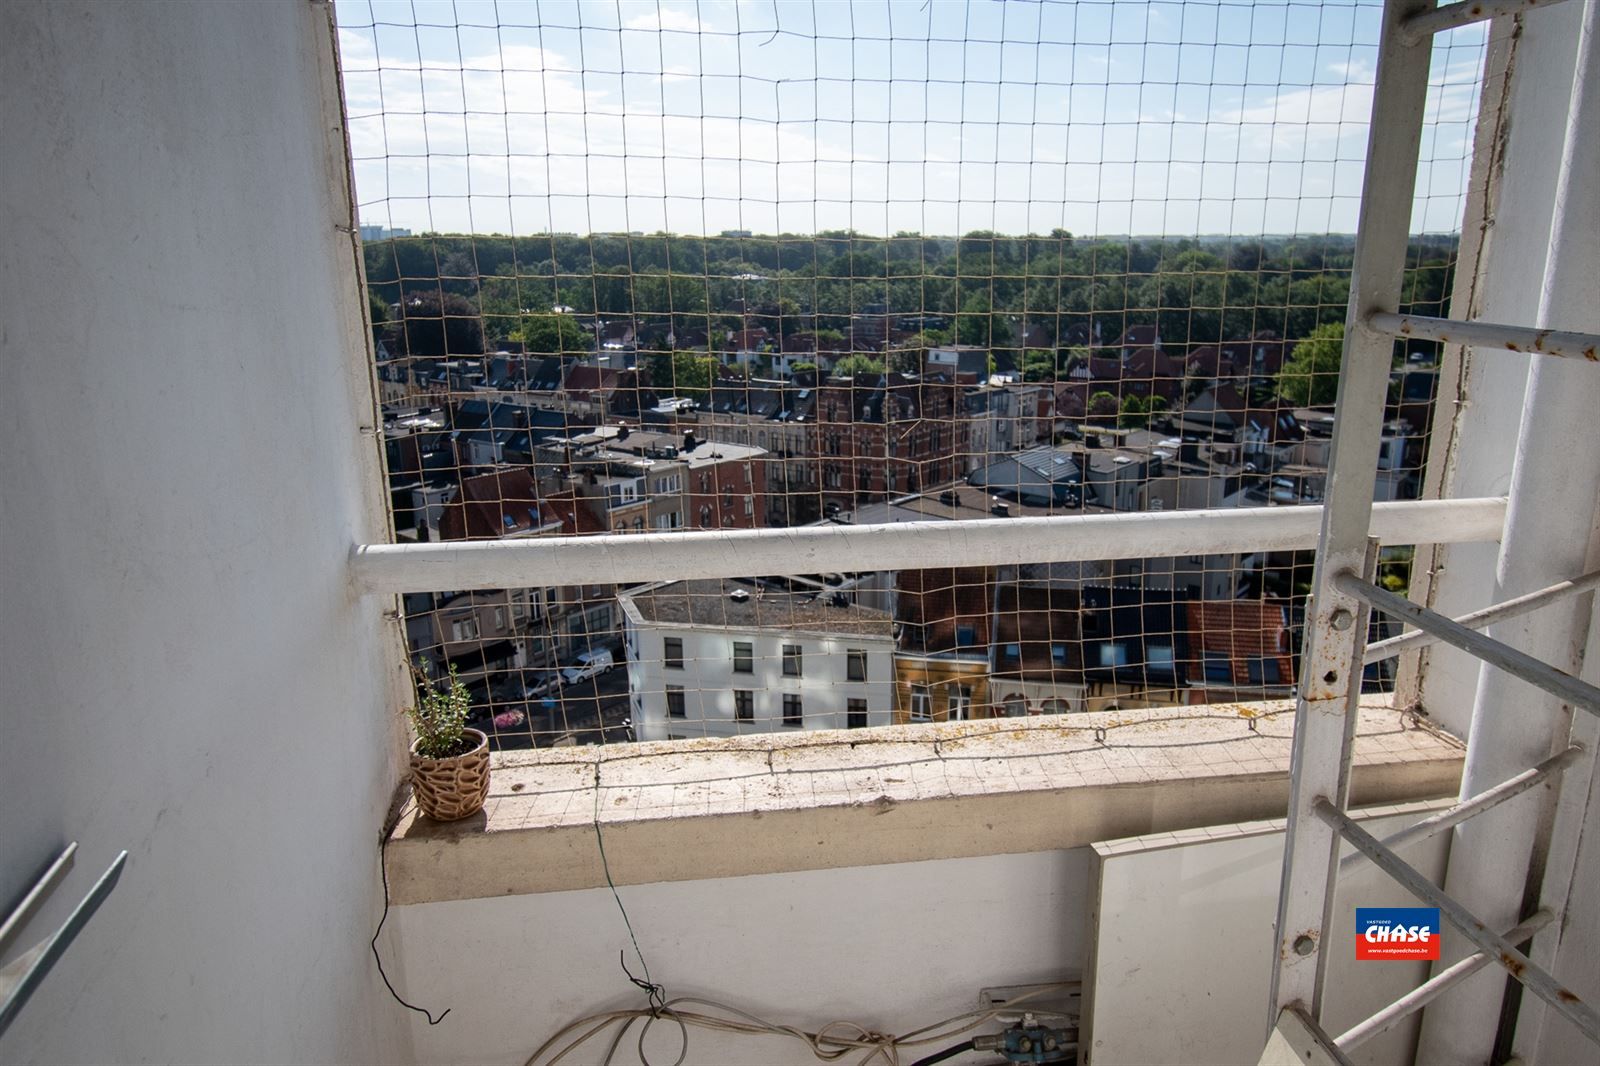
point(640, 267)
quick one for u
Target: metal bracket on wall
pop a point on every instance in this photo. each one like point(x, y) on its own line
point(18, 981)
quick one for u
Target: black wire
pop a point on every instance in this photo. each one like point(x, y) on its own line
point(383, 872)
point(948, 1053)
point(656, 993)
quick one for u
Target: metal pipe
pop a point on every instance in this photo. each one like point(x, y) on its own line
point(1331, 656)
point(1503, 656)
point(1489, 797)
point(614, 558)
point(1434, 987)
point(20, 984)
point(1489, 335)
point(1512, 608)
point(1562, 999)
point(1451, 16)
point(1466, 13)
point(42, 887)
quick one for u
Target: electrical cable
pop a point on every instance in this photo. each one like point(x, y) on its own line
point(383, 872)
point(948, 1053)
point(831, 1043)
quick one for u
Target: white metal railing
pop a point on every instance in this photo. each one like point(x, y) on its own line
point(642, 557)
point(1343, 594)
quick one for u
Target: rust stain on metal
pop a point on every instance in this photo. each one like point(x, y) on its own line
point(1286, 946)
point(1567, 996)
point(1511, 964)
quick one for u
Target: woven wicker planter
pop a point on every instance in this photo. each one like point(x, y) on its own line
point(450, 789)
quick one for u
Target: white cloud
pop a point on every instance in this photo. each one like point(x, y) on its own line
point(517, 138)
point(665, 18)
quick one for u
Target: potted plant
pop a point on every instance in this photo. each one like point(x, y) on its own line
point(449, 762)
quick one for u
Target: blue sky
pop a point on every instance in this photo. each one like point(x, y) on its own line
point(1103, 117)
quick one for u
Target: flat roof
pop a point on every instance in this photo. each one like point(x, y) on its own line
point(712, 602)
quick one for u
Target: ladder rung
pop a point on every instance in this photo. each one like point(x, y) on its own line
point(1468, 808)
point(1435, 986)
point(1515, 607)
point(1496, 653)
point(1489, 334)
point(1465, 13)
point(1562, 1000)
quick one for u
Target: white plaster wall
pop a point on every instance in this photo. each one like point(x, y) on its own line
point(1492, 383)
point(708, 680)
point(892, 947)
point(186, 672)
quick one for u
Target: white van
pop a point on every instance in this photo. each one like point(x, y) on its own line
point(589, 664)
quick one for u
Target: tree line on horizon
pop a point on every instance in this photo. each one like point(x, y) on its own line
point(439, 294)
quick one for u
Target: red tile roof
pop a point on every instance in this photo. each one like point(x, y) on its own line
point(1242, 630)
point(493, 505)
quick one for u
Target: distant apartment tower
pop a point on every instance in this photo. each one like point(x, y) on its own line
point(723, 657)
point(382, 233)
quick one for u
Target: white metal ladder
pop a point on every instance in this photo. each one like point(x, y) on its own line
point(1343, 594)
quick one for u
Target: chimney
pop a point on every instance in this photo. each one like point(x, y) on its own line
point(689, 443)
point(622, 432)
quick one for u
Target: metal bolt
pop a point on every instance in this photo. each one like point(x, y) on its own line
point(1304, 945)
point(1024, 1044)
point(1341, 619)
point(1049, 1043)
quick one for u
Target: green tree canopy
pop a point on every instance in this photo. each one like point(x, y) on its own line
point(858, 363)
point(552, 333)
point(1135, 414)
point(687, 374)
point(1310, 376)
point(1038, 365)
point(435, 324)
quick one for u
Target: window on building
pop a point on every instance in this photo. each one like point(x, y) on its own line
point(744, 705)
point(743, 657)
point(921, 703)
point(856, 714)
point(464, 628)
point(1113, 653)
point(1218, 667)
point(966, 636)
point(1263, 671)
point(1016, 706)
point(791, 660)
point(749, 505)
point(959, 705)
point(1158, 657)
point(675, 705)
point(499, 617)
point(792, 713)
point(1011, 652)
point(855, 665)
point(672, 652)
point(1058, 654)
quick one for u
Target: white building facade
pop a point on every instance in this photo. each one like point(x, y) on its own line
point(726, 658)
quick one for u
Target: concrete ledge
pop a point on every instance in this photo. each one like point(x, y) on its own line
point(687, 810)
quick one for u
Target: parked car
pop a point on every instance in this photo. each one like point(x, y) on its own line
point(542, 685)
point(589, 664)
